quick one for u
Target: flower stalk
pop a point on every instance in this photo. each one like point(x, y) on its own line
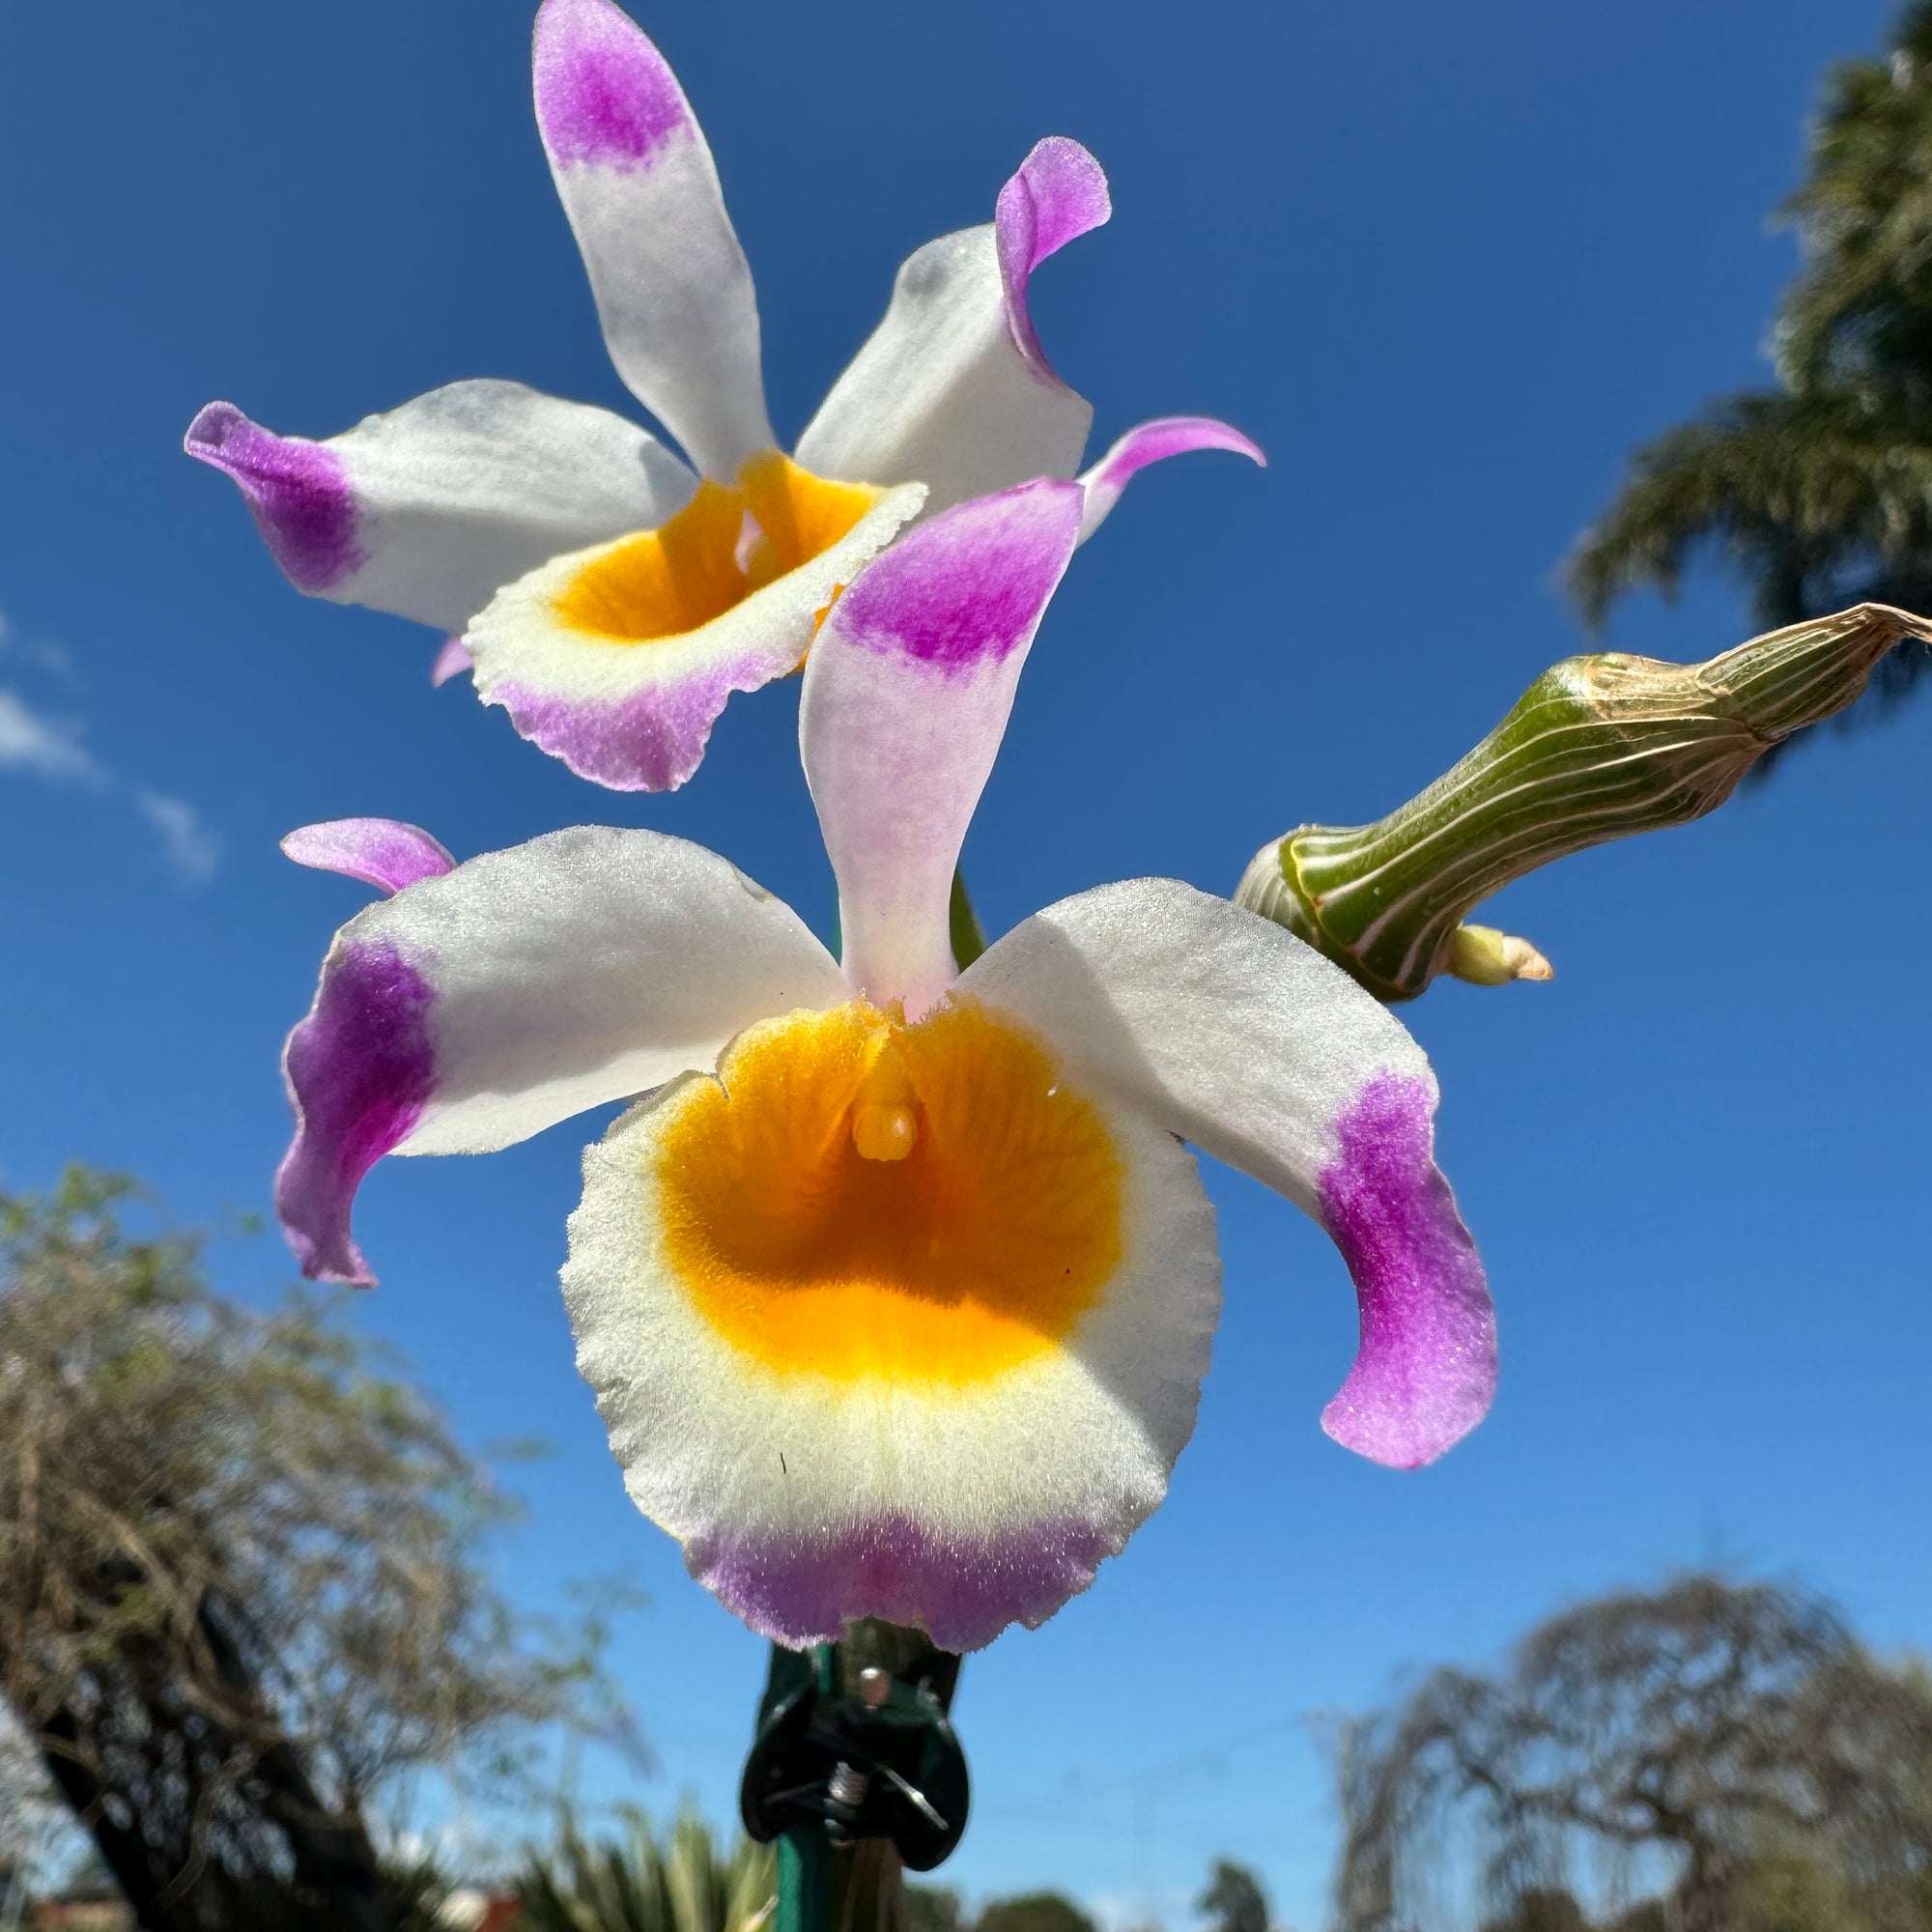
point(1599, 748)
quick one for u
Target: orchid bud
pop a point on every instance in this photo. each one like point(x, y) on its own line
point(1598, 748)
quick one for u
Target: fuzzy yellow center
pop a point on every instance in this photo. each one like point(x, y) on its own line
point(728, 541)
point(864, 1199)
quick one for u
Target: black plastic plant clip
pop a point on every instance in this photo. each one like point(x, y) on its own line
point(860, 1749)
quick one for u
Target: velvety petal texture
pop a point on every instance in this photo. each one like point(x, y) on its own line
point(1058, 194)
point(638, 182)
point(477, 1009)
point(428, 510)
point(1235, 1035)
point(382, 852)
point(906, 697)
point(938, 1388)
point(952, 388)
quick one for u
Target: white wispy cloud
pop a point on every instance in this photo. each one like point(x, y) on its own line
point(43, 746)
point(39, 744)
point(191, 848)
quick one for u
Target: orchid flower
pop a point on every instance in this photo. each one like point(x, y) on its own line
point(897, 1285)
point(558, 538)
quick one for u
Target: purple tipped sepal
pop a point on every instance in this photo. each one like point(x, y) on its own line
point(297, 490)
point(1426, 1372)
point(605, 95)
point(360, 1069)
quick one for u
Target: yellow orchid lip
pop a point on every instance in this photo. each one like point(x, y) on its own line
point(854, 1198)
point(728, 541)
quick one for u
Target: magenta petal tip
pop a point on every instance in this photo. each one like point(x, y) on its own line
point(968, 586)
point(1426, 1372)
point(605, 95)
point(1070, 193)
point(296, 491)
point(361, 1068)
point(1154, 443)
point(385, 853)
point(1057, 193)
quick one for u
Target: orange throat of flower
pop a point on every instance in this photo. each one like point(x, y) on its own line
point(727, 542)
point(858, 1199)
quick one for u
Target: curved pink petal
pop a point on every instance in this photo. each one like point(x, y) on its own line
point(382, 852)
point(1058, 192)
point(1154, 443)
point(298, 492)
point(1426, 1372)
point(952, 389)
point(360, 1069)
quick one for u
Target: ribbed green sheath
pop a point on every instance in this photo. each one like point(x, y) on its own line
point(1598, 748)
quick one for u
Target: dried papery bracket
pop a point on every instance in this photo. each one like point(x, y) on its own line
point(1598, 748)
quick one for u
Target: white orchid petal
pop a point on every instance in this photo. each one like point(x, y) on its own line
point(477, 1009)
point(1234, 1033)
point(638, 182)
point(427, 510)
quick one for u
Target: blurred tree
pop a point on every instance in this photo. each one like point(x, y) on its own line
point(1712, 1729)
point(635, 1885)
point(1818, 491)
point(1234, 1900)
point(238, 1587)
point(1034, 1912)
point(933, 1908)
point(1542, 1909)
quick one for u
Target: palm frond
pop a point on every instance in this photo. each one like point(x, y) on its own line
point(1817, 494)
point(1801, 495)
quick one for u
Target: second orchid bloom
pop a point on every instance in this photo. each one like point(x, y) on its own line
point(609, 595)
point(897, 1285)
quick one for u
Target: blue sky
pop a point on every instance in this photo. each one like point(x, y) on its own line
point(1447, 264)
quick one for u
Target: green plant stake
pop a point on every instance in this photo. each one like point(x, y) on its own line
point(856, 1773)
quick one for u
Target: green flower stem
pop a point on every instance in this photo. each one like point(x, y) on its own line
point(1598, 748)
